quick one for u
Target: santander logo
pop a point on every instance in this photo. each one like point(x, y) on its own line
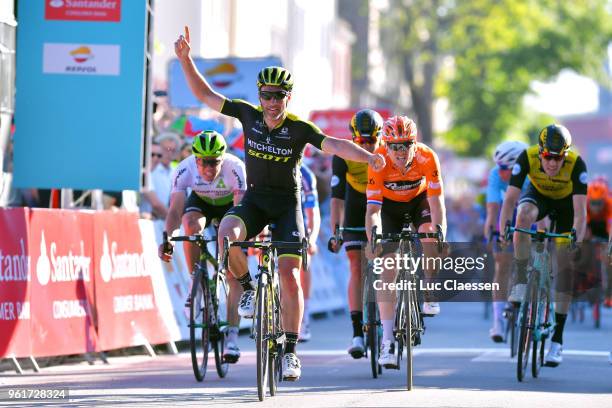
point(56, 3)
point(55, 267)
point(119, 265)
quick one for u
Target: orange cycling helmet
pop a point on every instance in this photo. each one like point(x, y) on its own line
point(597, 189)
point(399, 129)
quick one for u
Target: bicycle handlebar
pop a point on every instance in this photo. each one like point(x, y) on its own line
point(406, 234)
point(196, 238)
point(303, 245)
point(540, 235)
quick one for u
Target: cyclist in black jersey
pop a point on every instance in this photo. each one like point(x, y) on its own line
point(274, 145)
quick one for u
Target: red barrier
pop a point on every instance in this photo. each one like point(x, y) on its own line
point(14, 285)
point(125, 302)
point(62, 282)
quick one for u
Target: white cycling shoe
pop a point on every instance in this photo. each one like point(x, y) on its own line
point(246, 306)
point(292, 368)
point(357, 348)
point(518, 292)
point(231, 352)
point(497, 331)
point(430, 308)
point(387, 357)
point(554, 356)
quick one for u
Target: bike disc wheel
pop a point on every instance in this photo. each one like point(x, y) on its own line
point(222, 323)
point(261, 342)
point(199, 329)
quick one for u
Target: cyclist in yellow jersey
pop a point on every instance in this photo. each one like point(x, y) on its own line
point(348, 208)
point(558, 179)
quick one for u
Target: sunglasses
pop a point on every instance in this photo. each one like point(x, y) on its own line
point(554, 157)
point(399, 147)
point(208, 162)
point(364, 140)
point(277, 96)
point(158, 155)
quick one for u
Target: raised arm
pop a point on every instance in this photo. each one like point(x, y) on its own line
point(197, 83)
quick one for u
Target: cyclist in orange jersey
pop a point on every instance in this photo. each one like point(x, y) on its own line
point(599, 220)
point(409, 184)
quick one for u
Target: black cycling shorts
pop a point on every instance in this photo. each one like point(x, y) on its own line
point(256, 210)
point(354, 217)
point(393, 213)
point(563, 208)
point(211, 212)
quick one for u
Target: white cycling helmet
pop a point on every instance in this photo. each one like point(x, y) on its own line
point(507, 152)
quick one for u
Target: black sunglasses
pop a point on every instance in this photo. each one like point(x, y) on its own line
point(158, 155)
point(278, 95)
point(396, 147)
point(209, 162)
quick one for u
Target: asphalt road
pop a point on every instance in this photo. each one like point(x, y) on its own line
point(456, 366)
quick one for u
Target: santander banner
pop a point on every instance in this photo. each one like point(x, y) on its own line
point(126, 303)
point(62, 292)
point(83, 10)
point(14, 283)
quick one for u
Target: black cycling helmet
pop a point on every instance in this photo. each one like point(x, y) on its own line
point(555, 140)
point(366, 125)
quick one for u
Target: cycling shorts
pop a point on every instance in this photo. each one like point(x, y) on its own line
point(563, 208)
point(354, 217)
point(211, 212)
point(257, 209)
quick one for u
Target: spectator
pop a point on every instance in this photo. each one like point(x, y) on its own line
point(161, 176)
point(151, 206)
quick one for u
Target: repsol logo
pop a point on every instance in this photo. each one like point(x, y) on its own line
point(268, 156)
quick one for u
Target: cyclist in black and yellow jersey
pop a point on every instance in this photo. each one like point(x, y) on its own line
point(348, 207)
point(274, 146)
point(558, 179)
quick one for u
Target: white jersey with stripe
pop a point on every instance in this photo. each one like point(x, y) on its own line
point(220, 191)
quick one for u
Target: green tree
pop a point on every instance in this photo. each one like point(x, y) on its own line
point(495, 50)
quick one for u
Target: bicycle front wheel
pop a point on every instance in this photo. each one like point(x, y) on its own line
point(275, 353)
point(373, 338)
point(513, 330)
point(408, 321)
point(261, 337)
point(199, 324)
point(527, 322)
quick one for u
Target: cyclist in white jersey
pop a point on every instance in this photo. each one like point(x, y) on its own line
point(217, 181)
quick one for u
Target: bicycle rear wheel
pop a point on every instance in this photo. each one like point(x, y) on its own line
point(261, 336)
point(199, 324)
point(545, 312)
point(221, 326)
point(526, 331)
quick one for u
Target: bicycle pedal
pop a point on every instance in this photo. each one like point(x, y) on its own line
point(391, 366)
point(427, 315)
point(286, 378)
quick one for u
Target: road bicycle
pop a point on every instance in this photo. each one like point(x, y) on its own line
point(372, 327)
point(207, 307)
point(510, 310)
point(409, 326)
point(267, 327)
point(536, 312)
